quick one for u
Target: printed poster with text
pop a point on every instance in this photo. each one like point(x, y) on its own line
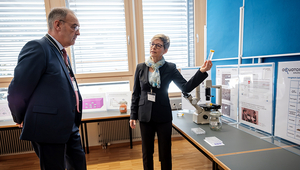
point(256, 96)
point(287, 119)
point(227, 76)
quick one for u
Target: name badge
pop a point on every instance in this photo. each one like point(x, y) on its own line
point(151, 97)
point(74, 84)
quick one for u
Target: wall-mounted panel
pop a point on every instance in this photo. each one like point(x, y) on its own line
point(271, 27)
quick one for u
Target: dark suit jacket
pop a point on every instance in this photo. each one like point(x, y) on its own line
point(41, 94)
point(160, 110)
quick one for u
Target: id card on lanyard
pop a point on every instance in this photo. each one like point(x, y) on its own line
point(72, 78)
point(151, 96)
point(74, 84)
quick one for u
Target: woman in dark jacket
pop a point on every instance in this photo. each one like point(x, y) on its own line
point(150, 101)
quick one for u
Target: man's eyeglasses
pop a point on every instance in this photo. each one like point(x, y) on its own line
point(74, 26)
point(158, 46)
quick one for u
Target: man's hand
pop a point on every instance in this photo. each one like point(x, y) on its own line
point(20, 125)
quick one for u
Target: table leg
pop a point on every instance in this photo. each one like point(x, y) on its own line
point(215, 166)
point(86, 139)
point(82, 137)
point(130, 136)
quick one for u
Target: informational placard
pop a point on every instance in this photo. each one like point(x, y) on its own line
point(287, 119)
point(227, 76)
point(188, 73)
point(113, 99)
point(5, 113)
point(93, 102)
point(256, 95)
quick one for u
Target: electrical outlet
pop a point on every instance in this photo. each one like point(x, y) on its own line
point(175, 103)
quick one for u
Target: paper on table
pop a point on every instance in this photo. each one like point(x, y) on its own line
point(213, 141)
point(198, 130)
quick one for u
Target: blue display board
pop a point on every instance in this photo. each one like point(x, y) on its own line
point(270, 35)
point(223, 27)
point(271, 27)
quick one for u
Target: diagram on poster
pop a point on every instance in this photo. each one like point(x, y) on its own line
point(256, 95)
point(188, 73)
point(287, 119)
point(227, 76)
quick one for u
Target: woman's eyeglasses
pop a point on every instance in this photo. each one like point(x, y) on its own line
point(158, 46)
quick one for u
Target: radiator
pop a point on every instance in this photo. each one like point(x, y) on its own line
point(118, 132)
point(109, 132)
point(10, 142)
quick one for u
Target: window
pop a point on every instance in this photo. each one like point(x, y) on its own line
point(102, 44)
point(20, 22)
point(114, 34)
point(174, 18)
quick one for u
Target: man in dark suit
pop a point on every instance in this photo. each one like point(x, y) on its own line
point(43, 96)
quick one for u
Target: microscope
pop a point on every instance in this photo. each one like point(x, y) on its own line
point(204, 111)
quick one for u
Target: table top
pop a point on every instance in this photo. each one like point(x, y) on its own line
point(238, 145)
point(7, 123)
point(86, 117)
point(275, 159)
point(104, 115)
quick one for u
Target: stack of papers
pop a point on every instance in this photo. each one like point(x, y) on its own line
point(198, 131)
point(213, 141)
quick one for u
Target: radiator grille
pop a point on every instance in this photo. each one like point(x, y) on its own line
point(10, 142)
point(117, 131)
point(109, 132)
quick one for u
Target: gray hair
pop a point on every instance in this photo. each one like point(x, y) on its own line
point(165, 39)
point(59, 13)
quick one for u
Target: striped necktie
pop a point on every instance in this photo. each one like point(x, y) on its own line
point(72, 78)
point(64, 52)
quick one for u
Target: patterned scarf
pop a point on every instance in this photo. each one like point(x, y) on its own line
point(155, 78)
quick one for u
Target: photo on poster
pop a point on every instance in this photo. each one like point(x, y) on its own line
point(225, 109)
point(249, 115)
point(226, 93)
point(226, 79)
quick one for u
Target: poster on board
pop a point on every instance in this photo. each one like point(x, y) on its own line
point(113, 99)
point(5, 113)
point(287, 119)
point(188, 73)
point(93, 102)
point(256, 95)
point(227, 76)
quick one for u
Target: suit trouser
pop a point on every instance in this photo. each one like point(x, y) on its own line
point(61, 156)
point(164, 132)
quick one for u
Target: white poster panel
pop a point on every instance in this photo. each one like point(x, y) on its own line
point(5, 113)
point(188, 73)
point(227, 76)
point(256, 96)
point(287, 119)
point(113, 99)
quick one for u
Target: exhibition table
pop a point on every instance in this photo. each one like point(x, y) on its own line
point(242, 150)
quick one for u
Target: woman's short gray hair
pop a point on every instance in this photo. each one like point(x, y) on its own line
point(165, 39)
point(59, 13)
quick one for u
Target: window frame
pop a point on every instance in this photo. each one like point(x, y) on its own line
point(136, 52)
